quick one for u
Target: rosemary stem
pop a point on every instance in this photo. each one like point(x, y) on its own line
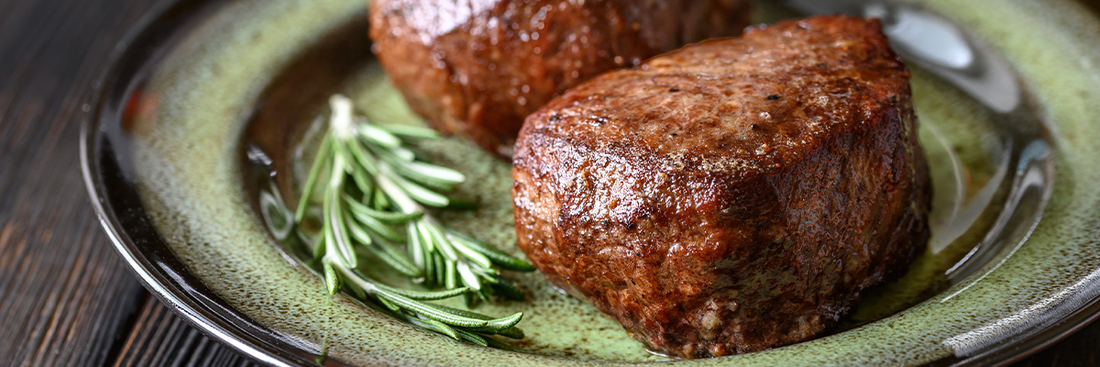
point(342, 117)
point(372, 183)
point(311, 179)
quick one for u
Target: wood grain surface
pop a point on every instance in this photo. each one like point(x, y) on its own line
point(159, 338)
point(66, 297)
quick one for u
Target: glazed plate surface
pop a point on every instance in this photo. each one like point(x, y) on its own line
point(203, 122)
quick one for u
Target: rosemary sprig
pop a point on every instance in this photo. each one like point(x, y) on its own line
point(370, 183)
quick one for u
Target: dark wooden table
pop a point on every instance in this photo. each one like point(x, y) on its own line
point(66, 297)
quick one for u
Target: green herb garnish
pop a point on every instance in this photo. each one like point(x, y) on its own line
point(371, 184)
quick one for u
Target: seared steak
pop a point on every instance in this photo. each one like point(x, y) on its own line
point(731, 196)
point(478, 67)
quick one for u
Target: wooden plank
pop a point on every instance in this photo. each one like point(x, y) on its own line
point(64, 293)
point(66, 297)
point(159, 338)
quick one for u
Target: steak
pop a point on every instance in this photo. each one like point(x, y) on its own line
point(479, 67)
point(731, 196)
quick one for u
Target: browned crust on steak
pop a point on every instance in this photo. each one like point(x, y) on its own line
point(732, 196)
point(480, 67)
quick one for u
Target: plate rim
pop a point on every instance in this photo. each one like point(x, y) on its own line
point(161, 285)
point(182, 302)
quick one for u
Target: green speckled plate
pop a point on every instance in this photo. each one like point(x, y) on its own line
point(202, 122)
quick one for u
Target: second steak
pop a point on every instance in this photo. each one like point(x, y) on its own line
point(477, 68)
point(734, 195)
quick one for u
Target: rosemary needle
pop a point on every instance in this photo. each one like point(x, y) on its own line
point(371, 182)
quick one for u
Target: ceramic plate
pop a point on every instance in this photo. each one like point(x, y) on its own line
point(208, 110)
